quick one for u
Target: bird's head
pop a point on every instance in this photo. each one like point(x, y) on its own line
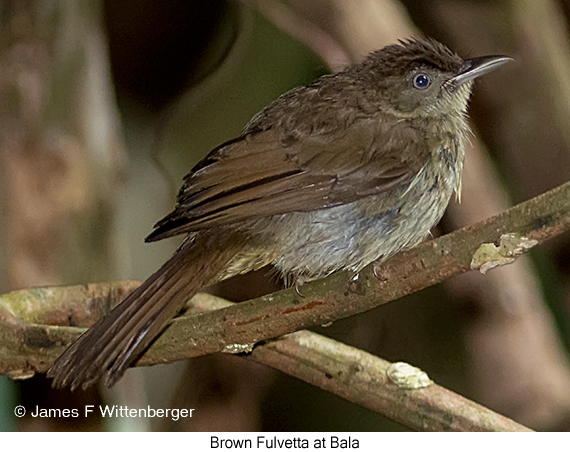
point(422, 77)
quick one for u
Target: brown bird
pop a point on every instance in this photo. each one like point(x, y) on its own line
point(331, 176)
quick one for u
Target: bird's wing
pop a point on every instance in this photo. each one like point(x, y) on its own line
point(264, 173)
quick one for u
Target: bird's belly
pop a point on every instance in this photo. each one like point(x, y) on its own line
point(349, 237)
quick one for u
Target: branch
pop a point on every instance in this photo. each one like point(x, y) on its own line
point(333, 298)
point(363, 378)
point(345, 371)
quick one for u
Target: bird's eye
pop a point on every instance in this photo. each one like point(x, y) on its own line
point(421, 81)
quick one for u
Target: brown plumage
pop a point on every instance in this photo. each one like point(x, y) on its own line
point(331, 176)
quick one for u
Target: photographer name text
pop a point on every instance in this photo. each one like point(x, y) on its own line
point(112, 411)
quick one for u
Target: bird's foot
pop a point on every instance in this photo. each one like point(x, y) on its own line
point(379, 273)
point(299, 281)
point(355, 284)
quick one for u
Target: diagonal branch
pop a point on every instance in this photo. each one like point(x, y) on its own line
point(284, 312)
point(364, 379)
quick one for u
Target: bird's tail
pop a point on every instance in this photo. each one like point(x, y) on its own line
point(111, 345)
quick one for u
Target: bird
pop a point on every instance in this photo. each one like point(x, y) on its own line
point(345, 171)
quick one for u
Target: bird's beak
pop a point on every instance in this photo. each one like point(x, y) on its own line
point(475, 67)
